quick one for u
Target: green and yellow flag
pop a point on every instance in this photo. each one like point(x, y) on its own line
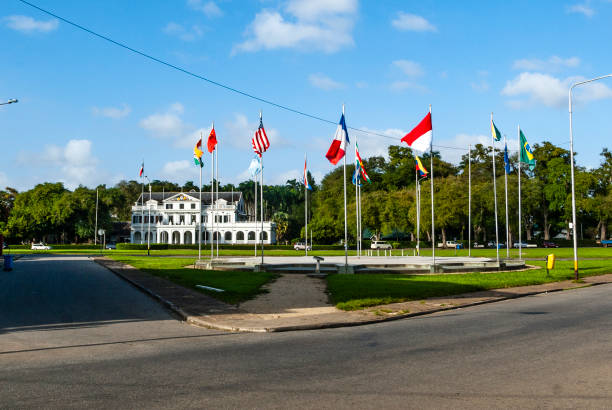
point(526, 155)
point(494, 131)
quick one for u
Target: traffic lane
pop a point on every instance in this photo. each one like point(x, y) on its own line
point(548, 350)
point(54, 301)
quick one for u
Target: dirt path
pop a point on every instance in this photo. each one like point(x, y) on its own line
point(291, 295)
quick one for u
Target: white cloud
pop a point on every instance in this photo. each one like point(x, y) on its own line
point(407, 85)
point(583, 8)
point(185, 34)
point(361, 84)
point(209, 8)
point(75, 160)
point(308, 25)
point(112, 112)
point(410, 68)
point(551, 91)
point(481, 85)
point(374, 145)
point(168, 124)
point(315, 9)
point(412, 22)
point(27, 24)
point(182, 170)
point(554, 63)
point(323, 82)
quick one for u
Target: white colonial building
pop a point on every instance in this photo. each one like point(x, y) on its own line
point(177, 217)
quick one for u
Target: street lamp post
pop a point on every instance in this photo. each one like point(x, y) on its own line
point(572, 169)
point(11, 101)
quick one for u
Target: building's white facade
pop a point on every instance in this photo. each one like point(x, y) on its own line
point(172, 217)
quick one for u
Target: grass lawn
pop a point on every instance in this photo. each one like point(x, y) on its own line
point(352, 292)
point(527, 253)
point(238, 286)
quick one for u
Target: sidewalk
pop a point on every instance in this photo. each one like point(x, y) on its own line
point(202, 310)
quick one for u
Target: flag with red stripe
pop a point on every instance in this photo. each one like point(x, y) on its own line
point(420, 137)
point(260, 140)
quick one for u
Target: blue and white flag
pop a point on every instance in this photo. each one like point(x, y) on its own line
point(254, 168)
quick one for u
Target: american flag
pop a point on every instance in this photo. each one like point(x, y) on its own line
point(260, 140)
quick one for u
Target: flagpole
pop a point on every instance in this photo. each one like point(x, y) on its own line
point(519, 194)
point(470, 200)
point(359, 223)
point(305, 205)
point(200, 208)
point(217, 184)
point(96, 227)
point(262, 206)
point(433, 231)
point(212, 202)
point(356, 202)
point(345, 226)
point(506, 187)
point(142, 204)
point(416, 198)
point(495, 193)
point(149, 223)
point(255, 214)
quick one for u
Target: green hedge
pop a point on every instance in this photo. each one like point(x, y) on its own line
point(138, 246)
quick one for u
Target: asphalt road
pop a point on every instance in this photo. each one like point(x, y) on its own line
point(72, 336)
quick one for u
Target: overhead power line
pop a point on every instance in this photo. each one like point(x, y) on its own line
point(216, 83)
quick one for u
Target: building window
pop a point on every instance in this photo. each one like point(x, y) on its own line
point(226, 218)
point(181, 206)
point(192, 206)
point(182, 219)
point(168, 206)
point(193, 219)
point(171, 219)
point(251, 236)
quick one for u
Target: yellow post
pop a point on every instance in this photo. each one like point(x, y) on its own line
point(550, 262)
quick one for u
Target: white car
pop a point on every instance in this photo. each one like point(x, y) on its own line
point(40, 247)
point(300, 246)
point(380, 245)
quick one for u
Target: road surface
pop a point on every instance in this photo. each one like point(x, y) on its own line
point(72, 335)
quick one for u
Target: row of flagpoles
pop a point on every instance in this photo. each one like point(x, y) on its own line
point(419, 139)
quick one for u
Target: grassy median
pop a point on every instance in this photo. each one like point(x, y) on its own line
point(353, 292)
point(238, 286)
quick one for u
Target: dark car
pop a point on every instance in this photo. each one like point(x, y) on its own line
point(546, 244)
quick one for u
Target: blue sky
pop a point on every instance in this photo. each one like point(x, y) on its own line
point(89, 111)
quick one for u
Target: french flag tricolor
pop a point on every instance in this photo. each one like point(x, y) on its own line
point(338, 147)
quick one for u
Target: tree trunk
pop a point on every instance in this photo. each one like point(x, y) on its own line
point(546, 227)
point(444, 237)
point(568, 235)
point(603, 233)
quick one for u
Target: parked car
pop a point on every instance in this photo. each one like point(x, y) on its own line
point(450, 244)
point(522, 244)
point(547, 244)
point(380, 245)
point(491, 244)
point(478, 245)
point(300, 246)
point(40, 247)
point(111, 245)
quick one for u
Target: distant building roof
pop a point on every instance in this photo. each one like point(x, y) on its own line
point(164, 196)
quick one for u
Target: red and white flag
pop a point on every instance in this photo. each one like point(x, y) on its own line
point(260, 140)
point(420, 137)
point(141, 170)
point(338, 146)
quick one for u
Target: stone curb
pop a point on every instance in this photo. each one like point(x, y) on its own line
point(196, 320)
